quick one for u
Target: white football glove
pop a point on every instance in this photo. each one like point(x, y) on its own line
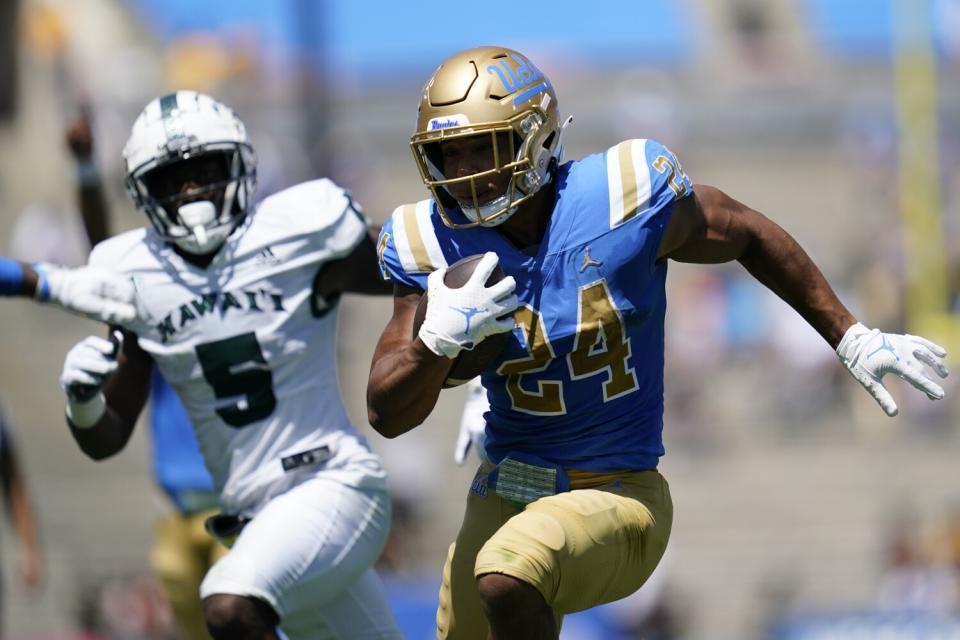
point(85, 369)
point(458, 319)
point(94, 292)
point(870, 354)
point(472, 425)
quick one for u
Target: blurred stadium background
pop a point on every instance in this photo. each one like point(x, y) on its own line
point(801, 510)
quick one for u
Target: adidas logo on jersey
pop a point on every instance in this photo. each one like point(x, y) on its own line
point(266, 257)
point(218, 303)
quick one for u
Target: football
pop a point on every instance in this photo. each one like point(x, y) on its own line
point(469, 363)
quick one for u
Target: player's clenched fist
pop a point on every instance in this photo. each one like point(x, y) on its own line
point(870, 354)
point(459, 318)
point(85, 370)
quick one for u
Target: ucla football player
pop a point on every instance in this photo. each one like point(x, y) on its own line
point(568, 510)
point(237, 310)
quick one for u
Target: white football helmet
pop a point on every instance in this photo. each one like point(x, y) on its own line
point(191, 169)
point(488, 91)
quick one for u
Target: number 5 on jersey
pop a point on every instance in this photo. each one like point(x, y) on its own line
point(235, 367)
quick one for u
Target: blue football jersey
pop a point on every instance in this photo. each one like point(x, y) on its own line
point(580, 382)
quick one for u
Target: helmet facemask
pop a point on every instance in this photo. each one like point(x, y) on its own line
point(518, 148)
point(195, 200)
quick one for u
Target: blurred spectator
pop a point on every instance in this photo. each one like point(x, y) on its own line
point(403, 522)
point(43, 233)
point(816, 383)
point(9, 12)
point(124, 607)
point(697, 347)
point(19, 508)
point(650, 613)
point(913, 580)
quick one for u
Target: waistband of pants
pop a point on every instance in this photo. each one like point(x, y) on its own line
point(580, 479)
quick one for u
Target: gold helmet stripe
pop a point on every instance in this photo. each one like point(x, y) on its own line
point(628, 179)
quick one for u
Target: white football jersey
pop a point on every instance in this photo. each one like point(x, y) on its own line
point(250, 352)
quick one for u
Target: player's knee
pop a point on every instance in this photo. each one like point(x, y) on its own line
point(504, 595)
point(238, 617)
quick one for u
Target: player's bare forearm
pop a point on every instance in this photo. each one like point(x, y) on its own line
point(780, 263)
point(22, 515)
point(30, 281)
point(93, 211)
point(359, 272)
point(403, 388)
point(104, 439)
point(91, 198)
point(717, 228)
point(405, 377)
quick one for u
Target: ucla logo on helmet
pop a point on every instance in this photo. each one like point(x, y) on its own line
point(523, 74)
point(446, 122)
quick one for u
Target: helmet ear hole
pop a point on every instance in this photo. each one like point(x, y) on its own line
point(548, 142)
point(517, 143)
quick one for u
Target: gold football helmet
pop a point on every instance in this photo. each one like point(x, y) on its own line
point(495, 92)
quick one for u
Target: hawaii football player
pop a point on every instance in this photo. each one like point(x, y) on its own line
point(182, 551)
point(568, 510)
point(237, 309)
point(94, 292)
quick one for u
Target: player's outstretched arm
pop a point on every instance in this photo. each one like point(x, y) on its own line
point(710, 226)
point(405, 376)
point(93, 292)
point(91, 199)
point(106, 383)
point(22, 514)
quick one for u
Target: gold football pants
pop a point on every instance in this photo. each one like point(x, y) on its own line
point(182, 553)
point(591, 545)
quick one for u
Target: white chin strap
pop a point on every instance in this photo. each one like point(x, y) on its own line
point(489, 209)
point(195, 216)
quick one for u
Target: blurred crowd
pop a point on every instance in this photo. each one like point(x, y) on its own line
point(741, 367)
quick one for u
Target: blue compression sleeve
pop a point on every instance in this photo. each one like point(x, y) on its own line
point(11, 277)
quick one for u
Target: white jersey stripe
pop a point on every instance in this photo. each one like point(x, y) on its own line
point(628, 180)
